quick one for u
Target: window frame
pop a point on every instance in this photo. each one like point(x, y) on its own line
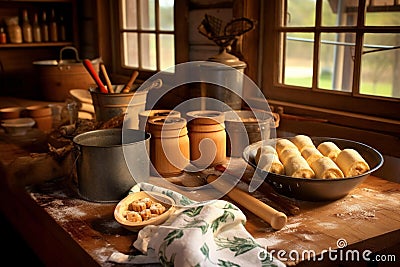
point(334, 100)
point(180, 35)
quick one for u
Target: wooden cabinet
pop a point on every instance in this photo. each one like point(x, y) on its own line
point(17, 73)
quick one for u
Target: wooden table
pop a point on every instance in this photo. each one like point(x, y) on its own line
point(65, 230)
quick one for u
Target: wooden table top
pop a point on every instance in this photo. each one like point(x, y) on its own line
point(368, 218)
point(65, 230)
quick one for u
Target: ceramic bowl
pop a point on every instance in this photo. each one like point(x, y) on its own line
point(17, 127)
point(122, 206)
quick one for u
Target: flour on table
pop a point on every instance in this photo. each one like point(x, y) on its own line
point(60, 212)
point(328, 225)
point(269, 241)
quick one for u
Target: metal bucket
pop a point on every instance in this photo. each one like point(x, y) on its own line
point(102, 170)
point(108, 105)
point(244, 127)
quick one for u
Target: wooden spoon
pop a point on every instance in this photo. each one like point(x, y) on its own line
point(127, 87)
point(89, 67)
point(108, 82)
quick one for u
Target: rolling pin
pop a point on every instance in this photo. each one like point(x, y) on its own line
point(282, 203)
point(275, 218)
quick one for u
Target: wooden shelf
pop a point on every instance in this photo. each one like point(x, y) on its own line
point(19, 57)
point(41, 1)
point(24, 45)
point(31, 45)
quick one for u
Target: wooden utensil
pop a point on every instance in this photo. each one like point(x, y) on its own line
point(89, 67)
point(281, 202)
point(275, 218)
point(108, 82)
point(128, 86)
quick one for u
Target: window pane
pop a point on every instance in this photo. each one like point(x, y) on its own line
point(382, 19)
point(130, 52)
point(148, 53)
point(167, 51)
point(129, 10)
point(339, 13)
point(166, 14)
point(336, 63)
point(380, 69)
point(147, 15)
point(297, 10)
point(298, 59)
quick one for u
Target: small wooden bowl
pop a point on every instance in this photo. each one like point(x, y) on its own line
point(36, 111)
point(11, 112)
point(166, 201)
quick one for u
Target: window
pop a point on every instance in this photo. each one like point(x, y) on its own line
point(336, 54)
point(146, 34)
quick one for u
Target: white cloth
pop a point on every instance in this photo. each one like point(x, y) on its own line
point(198, 234)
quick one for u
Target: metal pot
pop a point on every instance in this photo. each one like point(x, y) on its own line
point(56, 78)
point(244, 127)
point(104, 173)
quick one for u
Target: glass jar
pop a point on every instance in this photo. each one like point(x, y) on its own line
point(3, 36)
point(14, 30)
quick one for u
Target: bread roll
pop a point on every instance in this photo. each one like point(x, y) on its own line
point(302, 141)
point(270, 163)
point(298, 167)
point(288, 153)
point(282, 144)
point(351, 162)
point(329, 149)
point(325, 168)
point(133, 216)
point(311, 154)
point(264, 149)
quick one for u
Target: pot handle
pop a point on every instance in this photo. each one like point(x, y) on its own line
point(70, 48)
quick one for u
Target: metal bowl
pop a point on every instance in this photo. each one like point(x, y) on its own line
point(316, 189)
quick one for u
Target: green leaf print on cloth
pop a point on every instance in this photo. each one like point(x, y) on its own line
point(197, 234)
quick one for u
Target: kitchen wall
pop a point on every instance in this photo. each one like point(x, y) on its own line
point(201, 48)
